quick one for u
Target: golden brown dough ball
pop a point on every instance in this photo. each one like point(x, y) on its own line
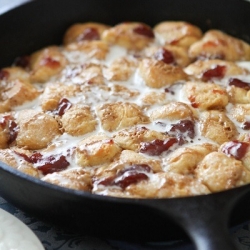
point(177, 33)
point(219, 172)
point(36, 129)
point(4, 137)
point(216, 126)
point(7, 156)
point(92, 74)
point(53, 93)
point(78, 120)
point(132, 137)
point(167, 185)
point(158, 74)
point(84, 32)
point(209, 69)
point(115, 116)
point(96, 150)
point(172, 111)
point(154, 97)
point(238, 95)
point(246, 159)
point(205, 96)
point(129, 158)
point(240, 112)
point(8, 130)
point(83, 74)
point(244, 136)
point(11, 158)
point(15, 88)
point(91, 49)
point(46, 63)
point(131, 35)
point(123, 92)
point(103, 93)
point(15, 73)
point(16, 93)
point(76, 179)
point(240, 150)
point(185, 160)
point(217, 44)
point(169, 54)
point(120, 69)
point(127, 162)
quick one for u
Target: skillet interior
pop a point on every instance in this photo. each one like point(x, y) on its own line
point(81, 212)
point(110, 217)
point(41, 23)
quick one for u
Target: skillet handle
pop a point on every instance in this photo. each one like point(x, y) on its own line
point(204, 218)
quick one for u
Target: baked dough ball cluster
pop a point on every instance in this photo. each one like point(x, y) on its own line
point(131, 110)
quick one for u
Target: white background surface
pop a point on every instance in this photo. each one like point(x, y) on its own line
point(8, 4)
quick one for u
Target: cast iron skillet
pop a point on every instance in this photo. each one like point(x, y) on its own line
point(203, 218)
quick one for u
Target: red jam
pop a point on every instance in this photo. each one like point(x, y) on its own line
point(46, 164)
point(194, 104)
point(246, 126)
point(164, 55)
point(239, 83)
point(144, 30)
point(127, 176)
point(13, 131)
point(63, 105)
point(4, 74)
point(50, 62)
point(184, 126)
point(217, 72)
point(157, 147)
point(22, 61)
point(236, 149)
point(89, 34)
point(7, 122)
